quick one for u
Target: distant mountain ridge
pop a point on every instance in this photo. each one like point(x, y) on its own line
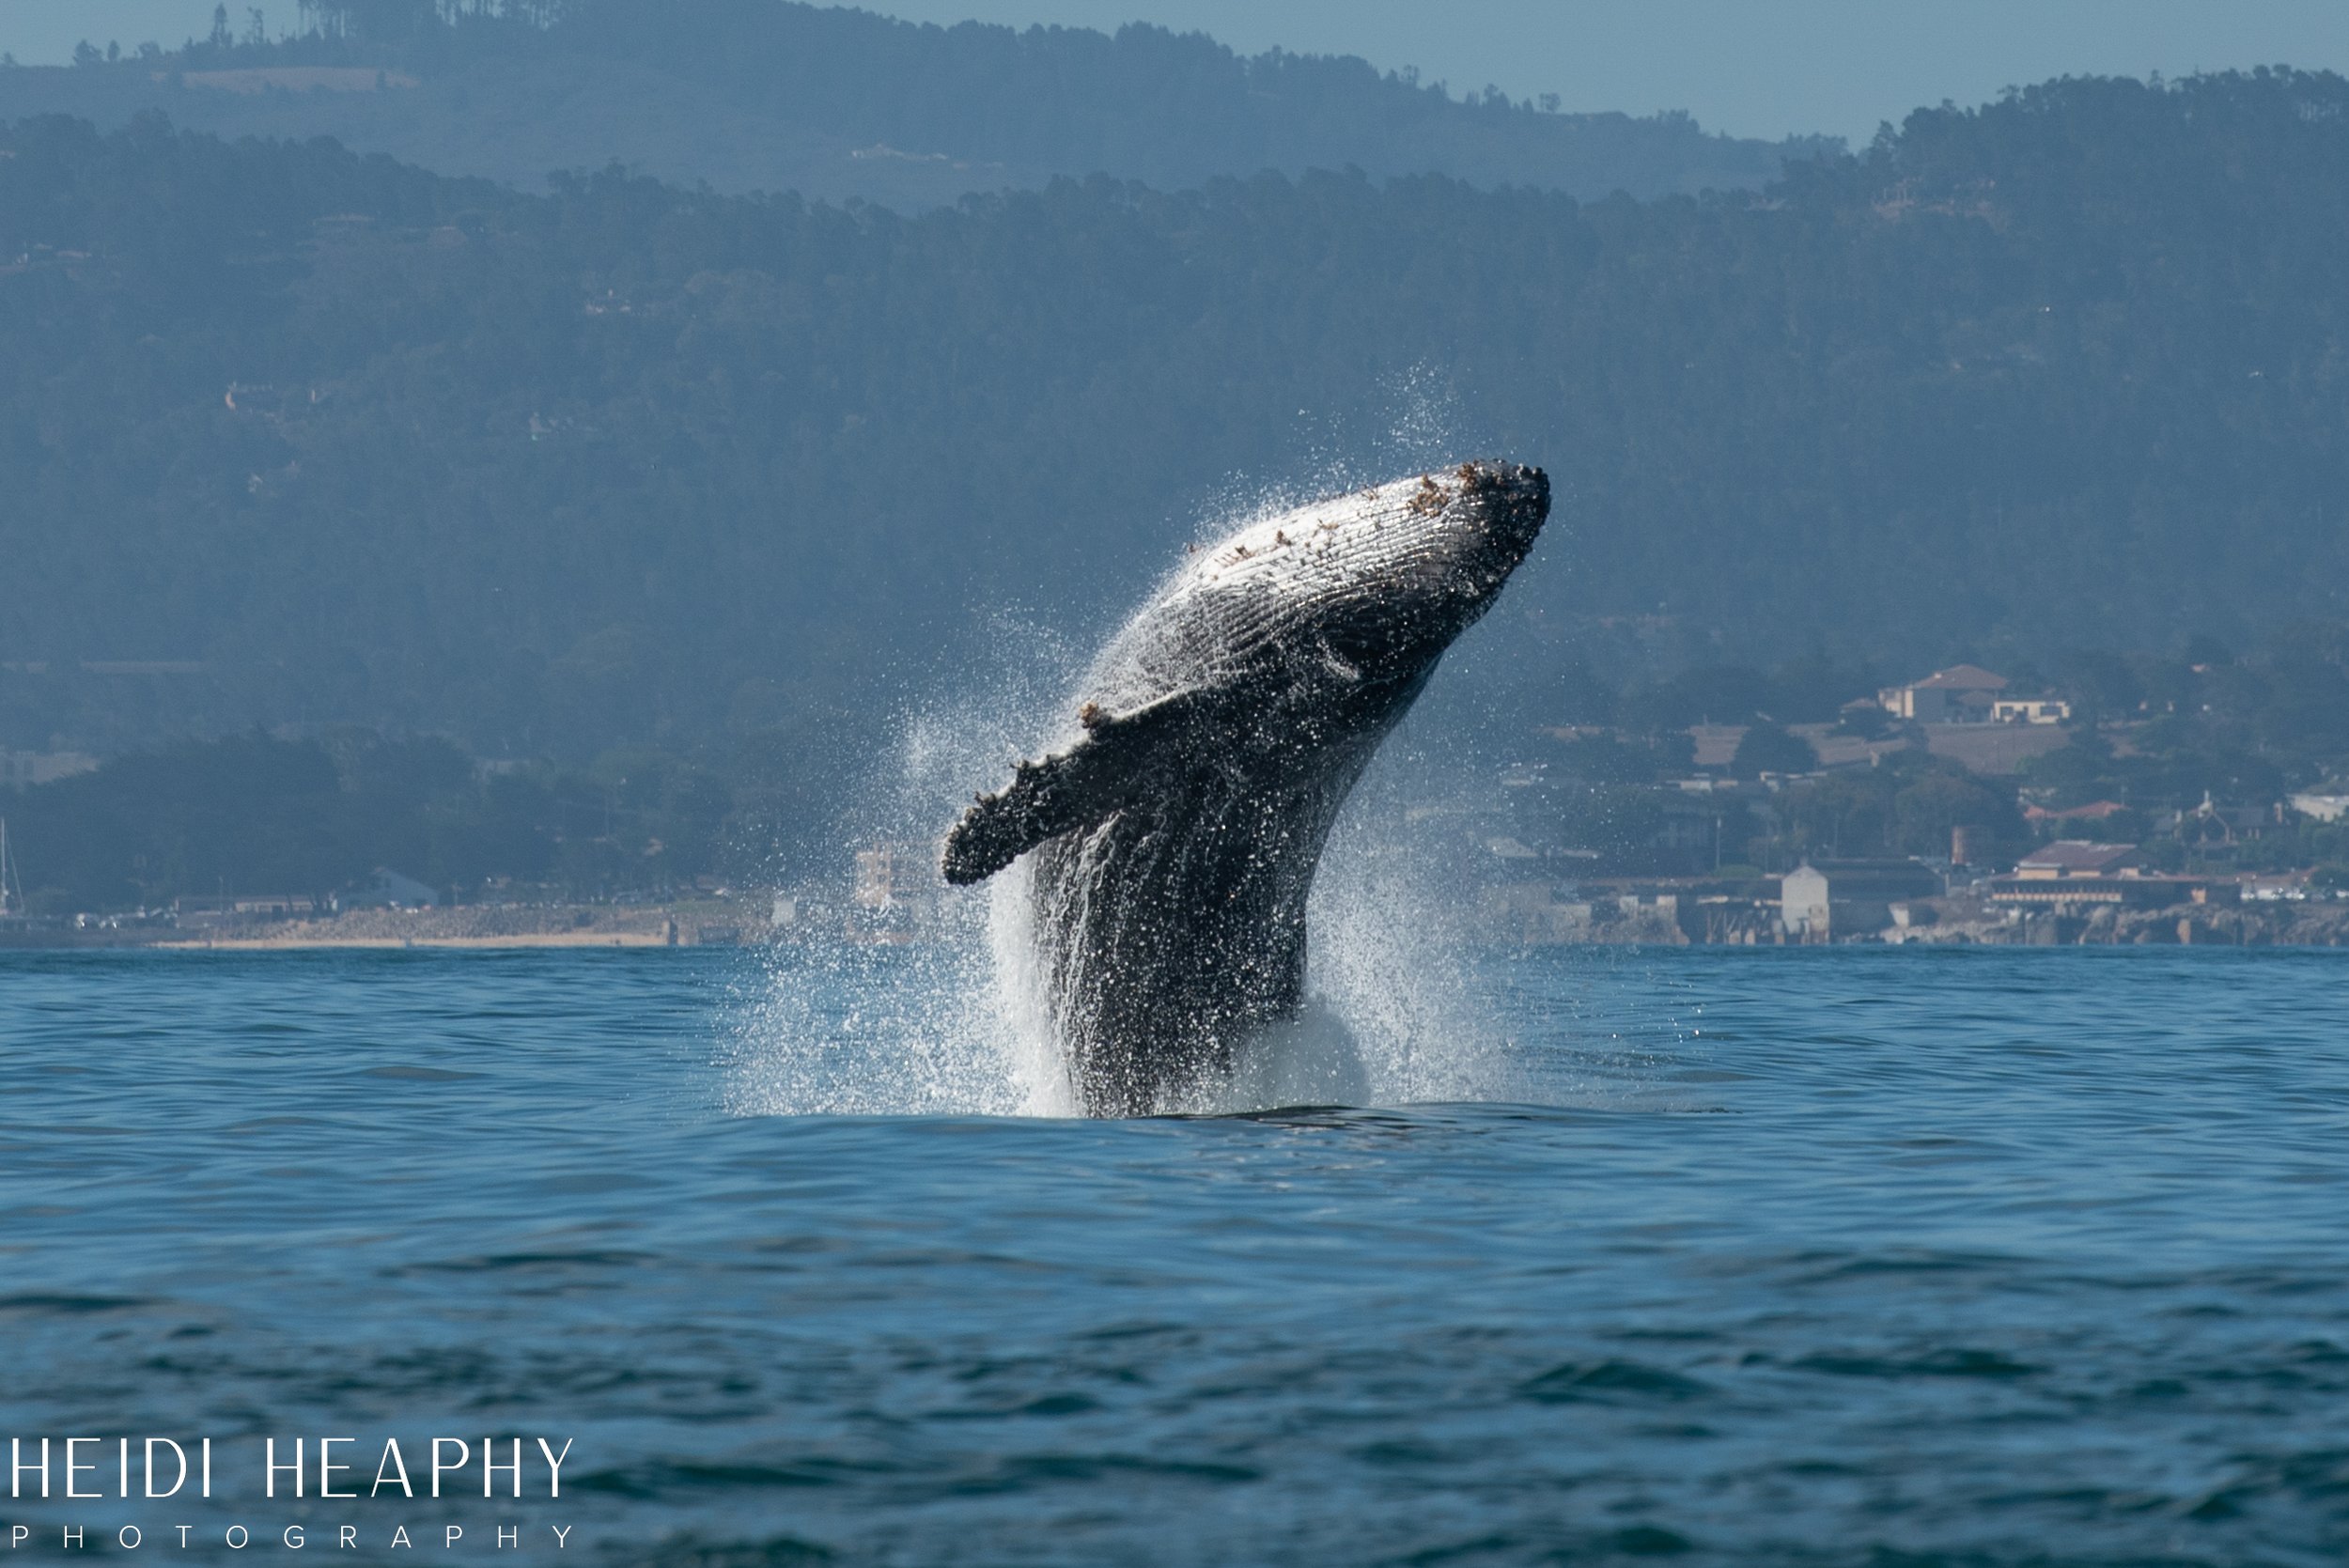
point(834, 103)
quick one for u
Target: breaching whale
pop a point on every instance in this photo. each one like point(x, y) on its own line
point(1175, 841)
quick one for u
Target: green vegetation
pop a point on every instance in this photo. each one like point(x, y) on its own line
point(320, 440)
point(253, 814)
point(1906, 807)
point(758, 95)
point(2241, 730)
point(1772, 748)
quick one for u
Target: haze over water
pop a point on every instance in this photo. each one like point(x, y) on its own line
point(1805, 1256)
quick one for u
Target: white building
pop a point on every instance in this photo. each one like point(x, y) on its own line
point(2323, 806)
point(389, 890)
point(1802, 903)
point(2029, 710)
point(1852, 897)
point(1963, 693)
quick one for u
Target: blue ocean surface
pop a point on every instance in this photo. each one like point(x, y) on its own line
point(1802, 1256)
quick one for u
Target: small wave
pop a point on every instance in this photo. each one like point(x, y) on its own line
point(44, 1304)
point(1610, 1381)
point(1027, 1471)
point(1936, 1363)
point(494, 1263)
point(420, 1075)
point(646, 1482)
point(693, 1551)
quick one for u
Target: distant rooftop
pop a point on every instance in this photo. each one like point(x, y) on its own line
point(2073, 857)
point(1962, 678)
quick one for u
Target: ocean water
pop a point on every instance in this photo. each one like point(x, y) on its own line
point(1826, 1256)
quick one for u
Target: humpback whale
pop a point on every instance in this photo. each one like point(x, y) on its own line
point(1171, 844)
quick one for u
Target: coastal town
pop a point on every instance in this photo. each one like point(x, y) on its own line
point(1959, 807)
point(1961, 821)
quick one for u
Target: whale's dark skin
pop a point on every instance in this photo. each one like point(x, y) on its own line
point(1172, 845)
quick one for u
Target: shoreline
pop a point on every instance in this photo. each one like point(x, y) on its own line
point(698, 923)
point(1663, 922)
point(323, 943)
point(71, 941)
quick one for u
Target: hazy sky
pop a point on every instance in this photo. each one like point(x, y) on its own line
point(1752, 67)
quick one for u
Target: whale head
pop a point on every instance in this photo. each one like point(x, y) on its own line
point(1300, 632)
point(1378, 582)
point(1475, 524)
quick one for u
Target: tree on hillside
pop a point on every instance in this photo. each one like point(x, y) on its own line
point(1772, 748)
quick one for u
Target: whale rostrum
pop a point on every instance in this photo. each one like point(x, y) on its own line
point(1171, 844)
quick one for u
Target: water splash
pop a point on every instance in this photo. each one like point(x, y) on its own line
point(1392, 951)
point(957, 1023)
point(860, 1022)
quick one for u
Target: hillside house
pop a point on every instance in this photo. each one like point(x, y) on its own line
point(2211, 826)
point(1962, 695)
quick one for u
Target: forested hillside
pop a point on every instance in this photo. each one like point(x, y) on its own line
point(323, 438)
point(764, 95)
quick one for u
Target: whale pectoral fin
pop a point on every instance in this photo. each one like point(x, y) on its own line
point(1100, 774)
